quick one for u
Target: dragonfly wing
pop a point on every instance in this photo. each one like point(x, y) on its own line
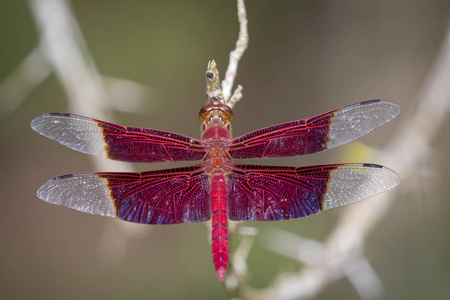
point(117, 142)
point(266, 193)
point(171, 196)
point(316, 134)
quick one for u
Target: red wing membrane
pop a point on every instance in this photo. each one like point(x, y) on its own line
point(117, 142)
point(266, 193)
point(171, 196)
point(316, 134)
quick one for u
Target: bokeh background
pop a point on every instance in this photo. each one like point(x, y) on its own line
point(304, 58)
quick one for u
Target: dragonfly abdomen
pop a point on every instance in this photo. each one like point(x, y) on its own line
point(219, 224)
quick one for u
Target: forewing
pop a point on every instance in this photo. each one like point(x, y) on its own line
point(316, 134)
point(171, 196)
point(117, 142)
point(266, 193)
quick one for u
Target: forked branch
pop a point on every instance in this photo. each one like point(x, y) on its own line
point(235, 56)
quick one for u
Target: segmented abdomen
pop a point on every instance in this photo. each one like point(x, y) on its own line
point(219, 224)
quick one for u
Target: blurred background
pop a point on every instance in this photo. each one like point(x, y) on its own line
point(304, 58)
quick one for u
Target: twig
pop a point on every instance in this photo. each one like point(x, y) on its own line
point(31, 72)
point(63, 45)
point(238, 273)
point(235, 56)
point(238, 270)
point(237, 95)
point(35, 68)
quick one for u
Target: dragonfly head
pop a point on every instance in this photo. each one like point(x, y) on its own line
point(215, 110)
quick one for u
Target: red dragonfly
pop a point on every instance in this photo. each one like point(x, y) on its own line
point(217, 188)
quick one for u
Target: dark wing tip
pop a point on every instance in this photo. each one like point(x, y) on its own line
point(60, 114)
point(371, 101)
point(372, 166)
point(67, 176)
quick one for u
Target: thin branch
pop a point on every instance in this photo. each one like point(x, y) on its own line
point(31, 72)
point(35, 68)
point(237, 95)
point(364, 278)
point(238, 271)
point(291, 245)
point(235, 56)
point(135, 93)
point(62, 43)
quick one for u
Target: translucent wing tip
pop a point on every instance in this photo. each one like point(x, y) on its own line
point(391, 108)
point(354, 182)
point(82, 192)
point(354, 121)
point(47, 191)
point(76, 132)
point(37, 123)
point(41, 122)
point(387, 178)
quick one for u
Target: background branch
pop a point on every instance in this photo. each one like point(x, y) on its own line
point(406, 151)
point(63, 45)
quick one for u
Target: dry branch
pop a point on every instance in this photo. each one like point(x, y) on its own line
point(235, 56)
point(344, 246)
point(62, 43)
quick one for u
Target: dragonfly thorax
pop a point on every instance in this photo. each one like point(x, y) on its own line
point(216, 138)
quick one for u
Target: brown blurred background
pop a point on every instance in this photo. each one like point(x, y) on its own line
point(304, 58)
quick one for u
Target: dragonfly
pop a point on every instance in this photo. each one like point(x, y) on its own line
point(218, 188)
